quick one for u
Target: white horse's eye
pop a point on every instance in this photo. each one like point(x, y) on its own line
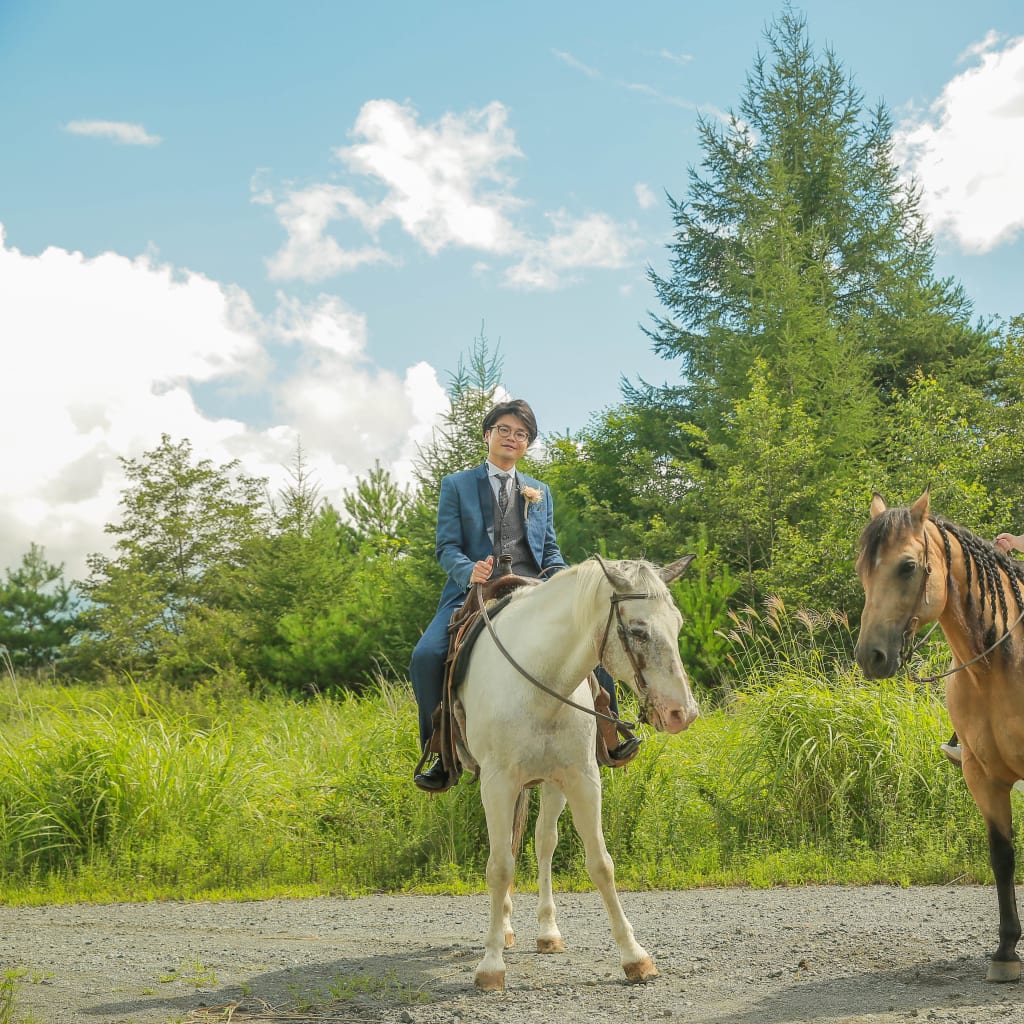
point(639, 633)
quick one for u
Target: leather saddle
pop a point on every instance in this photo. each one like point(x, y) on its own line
point(465, 626)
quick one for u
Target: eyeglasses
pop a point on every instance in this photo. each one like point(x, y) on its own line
point(506, 431)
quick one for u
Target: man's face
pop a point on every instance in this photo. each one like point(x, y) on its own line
point(507, 441)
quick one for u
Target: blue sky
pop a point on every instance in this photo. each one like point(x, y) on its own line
point(254, 223)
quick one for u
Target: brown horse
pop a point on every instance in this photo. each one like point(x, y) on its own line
point(915, 569)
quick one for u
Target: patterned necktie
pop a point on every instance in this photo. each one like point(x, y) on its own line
point(502, 493)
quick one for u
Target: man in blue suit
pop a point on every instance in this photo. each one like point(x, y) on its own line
point(482, 514)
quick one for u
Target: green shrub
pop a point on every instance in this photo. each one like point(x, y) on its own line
point(125, 792)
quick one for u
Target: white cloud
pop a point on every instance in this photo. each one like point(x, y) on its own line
point(646, 89)
point(444, 185)
point(343, 406)
point(310, 253)
point(967, 151)
point(991, 40)
point(102, 356)
point(594, 241)
point(645, 196)
point(124, 132)
point(681, 59)
point(643, 88)
point(576, 64)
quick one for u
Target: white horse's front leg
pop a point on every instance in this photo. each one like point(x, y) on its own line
point(506, 919)
point(584, 793)
point(498, 799)
point(552, 803)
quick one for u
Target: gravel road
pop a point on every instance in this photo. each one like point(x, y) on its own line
point(736, 956)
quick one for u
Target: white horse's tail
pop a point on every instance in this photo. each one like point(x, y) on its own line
point(519, 817)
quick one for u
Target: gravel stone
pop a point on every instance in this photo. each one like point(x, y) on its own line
point(840, 955)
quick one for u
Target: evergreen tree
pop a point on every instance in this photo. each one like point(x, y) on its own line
point(320, 600)
point(801, 305)
point(458, 442)
point(800, 246)
point(37, 611)
point(1003, 433)
point(378, 508)
point(327, 600)
point(619, 487)
point(298, 504)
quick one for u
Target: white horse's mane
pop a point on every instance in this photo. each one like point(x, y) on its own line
point(593, 586)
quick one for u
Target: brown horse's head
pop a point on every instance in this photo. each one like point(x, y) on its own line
point(900, 590)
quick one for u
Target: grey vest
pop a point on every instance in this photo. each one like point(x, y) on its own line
point(510, 534)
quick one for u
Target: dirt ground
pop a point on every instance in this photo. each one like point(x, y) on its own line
point(735, 956)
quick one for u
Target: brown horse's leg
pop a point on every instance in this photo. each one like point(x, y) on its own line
point(1005, 964)
point(993, 799)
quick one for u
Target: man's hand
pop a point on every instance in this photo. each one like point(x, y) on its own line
point(482, 570)
point(1005, 542)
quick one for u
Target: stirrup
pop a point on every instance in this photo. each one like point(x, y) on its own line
point(953, 752)
point(625, 751)
point(435, 779)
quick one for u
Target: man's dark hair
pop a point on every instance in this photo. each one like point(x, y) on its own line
point(513, 407)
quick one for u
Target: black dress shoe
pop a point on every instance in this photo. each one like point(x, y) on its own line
point(434, 778)
point(626, 749)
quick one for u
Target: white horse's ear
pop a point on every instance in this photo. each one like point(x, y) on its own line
point(877, 505)
point(670, 573)
point(618, 579)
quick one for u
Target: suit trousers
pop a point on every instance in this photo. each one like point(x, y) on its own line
point(426, 670)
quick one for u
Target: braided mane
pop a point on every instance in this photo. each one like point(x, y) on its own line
point(983, 561)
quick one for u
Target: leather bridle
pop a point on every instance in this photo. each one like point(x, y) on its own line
point(614, 611)
point(907, 647)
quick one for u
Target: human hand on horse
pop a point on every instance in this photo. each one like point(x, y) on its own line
point(482, 570)
point(1009, 542)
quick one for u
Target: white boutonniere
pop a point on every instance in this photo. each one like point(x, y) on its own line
point(531, 496)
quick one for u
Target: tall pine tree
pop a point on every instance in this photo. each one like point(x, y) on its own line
point(801, 304)
point(799, 246)
point(37, 611)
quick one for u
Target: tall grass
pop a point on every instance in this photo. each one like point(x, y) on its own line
point(130, 792)
point(121, 793)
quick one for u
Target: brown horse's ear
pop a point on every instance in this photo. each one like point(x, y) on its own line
point(670, 573)
point(877, 505)
point(919, 510)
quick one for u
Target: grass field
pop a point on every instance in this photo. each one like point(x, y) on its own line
point(132, 792)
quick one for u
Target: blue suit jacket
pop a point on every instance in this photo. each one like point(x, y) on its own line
point(465, 529)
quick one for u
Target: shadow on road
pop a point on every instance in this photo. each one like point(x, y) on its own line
point(907, 992)
point(363, 986)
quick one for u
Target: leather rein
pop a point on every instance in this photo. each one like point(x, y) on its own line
point(909, 646)
point(614, 611)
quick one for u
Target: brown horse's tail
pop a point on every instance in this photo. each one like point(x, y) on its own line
point(519, 816)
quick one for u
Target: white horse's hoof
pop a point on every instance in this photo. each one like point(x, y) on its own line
point(642, 970)
point(510, 939)
point(1003, 970)
point(490, 981)
point(550, 946)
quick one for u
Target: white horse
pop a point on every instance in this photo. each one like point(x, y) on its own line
point(617, 613)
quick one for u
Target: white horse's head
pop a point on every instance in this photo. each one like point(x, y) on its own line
point(635, 624)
